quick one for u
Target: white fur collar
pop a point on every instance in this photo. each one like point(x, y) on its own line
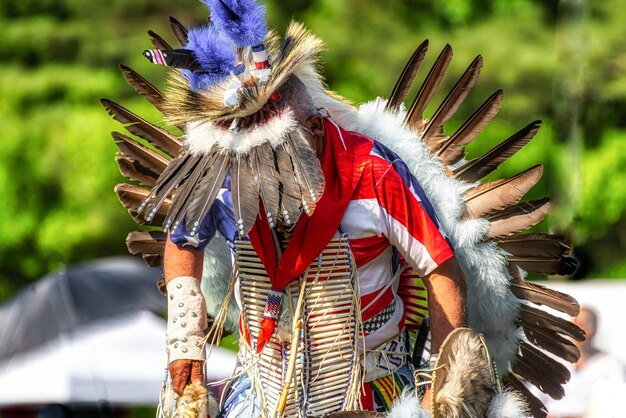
point(201, 136)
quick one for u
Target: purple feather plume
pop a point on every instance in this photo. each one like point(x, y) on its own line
point(243, 21)
point(214, 52)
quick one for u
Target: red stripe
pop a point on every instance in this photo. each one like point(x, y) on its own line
point(367, 397)
point(261, 65)
point(385, 299)
point(368, 248)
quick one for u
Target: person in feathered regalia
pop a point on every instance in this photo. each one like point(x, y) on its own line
point(353, 249)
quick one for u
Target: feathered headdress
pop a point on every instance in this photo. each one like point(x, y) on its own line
point(226, 98)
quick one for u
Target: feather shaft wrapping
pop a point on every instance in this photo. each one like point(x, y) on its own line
point(132, 197)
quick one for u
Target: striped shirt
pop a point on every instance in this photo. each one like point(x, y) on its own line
point(387, 220)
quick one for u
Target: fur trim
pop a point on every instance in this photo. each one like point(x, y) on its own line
point(243, 21)
point(492, 308)
point(407, 406)
point(214, 52)
point(509, 404)
point(201, 137)
point(216, 274)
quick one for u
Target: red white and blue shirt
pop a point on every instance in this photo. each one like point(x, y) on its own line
point(388, 219)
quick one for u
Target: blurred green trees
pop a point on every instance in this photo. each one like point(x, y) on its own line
point(560, 61)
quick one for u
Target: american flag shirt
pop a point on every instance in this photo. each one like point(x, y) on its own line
point(388, 220)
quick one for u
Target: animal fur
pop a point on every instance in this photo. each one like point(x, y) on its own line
point(407, 406)
point(509, 404)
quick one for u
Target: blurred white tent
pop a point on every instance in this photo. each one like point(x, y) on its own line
point(119, 360)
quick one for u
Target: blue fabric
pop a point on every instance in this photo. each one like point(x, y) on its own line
point(239, 402)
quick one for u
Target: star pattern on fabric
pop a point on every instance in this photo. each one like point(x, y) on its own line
point(193, 241)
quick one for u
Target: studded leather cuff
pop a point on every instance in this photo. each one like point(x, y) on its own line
point(187, 320)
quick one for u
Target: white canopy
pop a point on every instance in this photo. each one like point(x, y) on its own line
point(120, 360)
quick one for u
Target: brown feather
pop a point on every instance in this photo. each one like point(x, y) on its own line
point(500, 194)
point(479, 167)
point(537, 407)
point(562, 266)
point(552, 342)
point(307, 169)
point(451, 151)
point(267, 178)
point(143, 87)
point(547, 374)
point(534, 244)
point(517, 218)
point(146, 242)
point(179, 31)
point(541, 295)
point(135, 171)
point(433, 132)
point(290, 195)
point(132, 149)
point(157, 41)
point(415, 115)
point(159, 137)
point(401, 89)
point(204, 195)
point(132, 197)
point(153, 260)
point(244, 194)
point(541, 319)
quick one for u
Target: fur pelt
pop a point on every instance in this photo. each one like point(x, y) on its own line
point(468, 385)
point(509, 404)
point(492, 308)
point(407, 406)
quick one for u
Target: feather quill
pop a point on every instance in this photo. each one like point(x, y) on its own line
point(552, 342)
point(451, 150)
point(244, 193)
point(534, 245)
point(479, 167)
point(135, 171)
point(159, 137)
point(541, 370)
point(496, 195)
point(179, 31)
point(157, 41)
point(537, 407)
point(290, 194)
point(307, 169)
point(433, 131)
point(541, 295)
point(517, 218)
point(541, 319)
point(415, 115)
point(401, 89)
point(132, 149)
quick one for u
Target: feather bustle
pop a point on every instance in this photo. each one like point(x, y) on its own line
point(307, 169)
point(552, 342)
point(479, 167)
point(401, 89)
point(132, 197)
point(143, 87)
point(433, 131)
point(562, 266)
point(157, 41)
point(267, 178)
point(135, 171)
point(534, 244)
point(244, 193)
point(146, 242)
point(451, 151)
point(537, 407)
point(496, 195)
point(132, 149)
point(517, 218)
point(290, 194)
point(541, 295)
point(415, 115)
point(159, 137)
point(541, 319)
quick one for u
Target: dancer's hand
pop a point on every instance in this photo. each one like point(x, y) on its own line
point(184, 372)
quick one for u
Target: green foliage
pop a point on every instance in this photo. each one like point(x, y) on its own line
point(560, 61)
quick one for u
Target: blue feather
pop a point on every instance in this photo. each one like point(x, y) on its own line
point(214, 52)
point(243, 21)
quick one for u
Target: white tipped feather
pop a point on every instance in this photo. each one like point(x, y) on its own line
point(509, 404)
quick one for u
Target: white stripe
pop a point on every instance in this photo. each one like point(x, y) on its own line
point(260, 56)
